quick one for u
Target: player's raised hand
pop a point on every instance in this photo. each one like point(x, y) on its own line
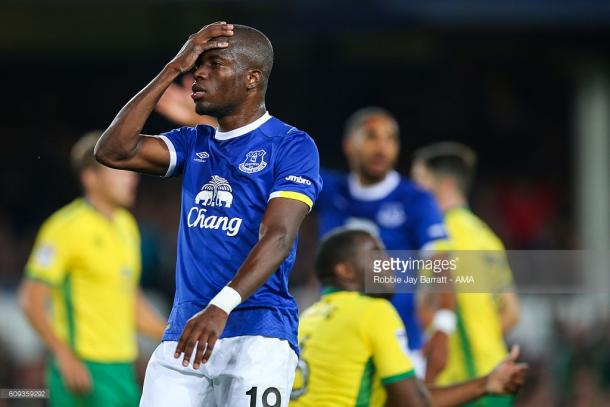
point(202, 330)
point(508, 376)
point(203, 40)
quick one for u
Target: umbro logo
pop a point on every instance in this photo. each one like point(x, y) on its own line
point(298, 180)
point(201, 156)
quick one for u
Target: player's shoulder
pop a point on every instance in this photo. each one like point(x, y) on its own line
point(369, 307)
point(413, 194)
point(346, 301)
point(66, 217)
point(464, 222)
point(379, 305)
point(375, 313)
point(201, 130)
point(281, 133)
point(129, 221)
point(333, 178)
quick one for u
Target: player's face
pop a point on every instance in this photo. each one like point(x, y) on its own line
point(116, 186)
point(374, 147)
point(219, 83)
point(368, 249)
point(423, 177)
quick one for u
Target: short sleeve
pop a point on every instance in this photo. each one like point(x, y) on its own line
point(297, 170)
point(429, 228)
point(50, 257)
point(388, 340)
point(179, 143)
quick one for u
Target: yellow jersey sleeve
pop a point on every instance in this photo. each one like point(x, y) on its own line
point(388, 340)
point(50, 257)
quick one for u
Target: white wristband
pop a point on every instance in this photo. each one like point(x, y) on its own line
point(227, 299)
point(445, 321)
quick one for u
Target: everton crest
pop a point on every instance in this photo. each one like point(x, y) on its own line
point(254, 162)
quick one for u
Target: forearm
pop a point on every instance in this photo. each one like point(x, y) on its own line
point(148, 321)
point(509, 311)
point(263, 260)
point(36, 314)
point(120, 140)
point(458, 394)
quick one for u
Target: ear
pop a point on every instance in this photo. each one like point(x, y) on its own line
point(344, 272)
point(254, 79)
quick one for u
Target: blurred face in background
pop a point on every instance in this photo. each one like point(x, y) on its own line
point(373, 147)
point(424, 177)
point(115, 187)
point(353, 273)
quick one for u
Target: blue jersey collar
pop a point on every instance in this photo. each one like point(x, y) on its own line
point(373, 192)
point(240, 131)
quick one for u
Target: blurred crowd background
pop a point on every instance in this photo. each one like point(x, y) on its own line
point(526, 84)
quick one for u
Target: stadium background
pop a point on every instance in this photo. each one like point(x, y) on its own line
point(525, 83)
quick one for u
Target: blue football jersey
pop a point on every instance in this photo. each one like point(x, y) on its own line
point(227, 180)
point(401, 214)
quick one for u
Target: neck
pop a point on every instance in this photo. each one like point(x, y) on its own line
point(345, 285)
point(450, 201)
point(241, 117)
point(103, 206)
point(367, 179)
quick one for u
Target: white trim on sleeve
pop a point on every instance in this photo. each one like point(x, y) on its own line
point(172, 156)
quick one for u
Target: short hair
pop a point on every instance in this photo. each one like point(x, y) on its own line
point(449, 159)
point(360, 116)
point(338, 246)
point(81, 156)
point(254, 48)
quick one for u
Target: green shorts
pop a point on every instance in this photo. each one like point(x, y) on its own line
point(113, 385)
point(492, 401)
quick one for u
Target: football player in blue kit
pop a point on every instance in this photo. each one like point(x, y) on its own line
point(247, 185)
point(374, 197)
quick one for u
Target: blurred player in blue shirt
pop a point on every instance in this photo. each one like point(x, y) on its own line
point(374, 197)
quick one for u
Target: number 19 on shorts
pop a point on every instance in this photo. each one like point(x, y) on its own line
point(270, 397)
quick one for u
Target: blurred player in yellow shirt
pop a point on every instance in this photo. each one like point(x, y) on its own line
point(482, 318)
point(86, 260)
point(354, 346)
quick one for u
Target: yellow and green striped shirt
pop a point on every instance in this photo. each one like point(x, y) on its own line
point(93, 265)
point(477, 345)
point(351, 346)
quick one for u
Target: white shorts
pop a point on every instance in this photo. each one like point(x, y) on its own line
point(249, 371)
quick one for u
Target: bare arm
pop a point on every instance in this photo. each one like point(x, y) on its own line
point(33, 297)
point(121, 145)
point(148, 321)
point(509, 311)
point(408, 392)
point(507, 378)
point(436, 349)
point(278, 231)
